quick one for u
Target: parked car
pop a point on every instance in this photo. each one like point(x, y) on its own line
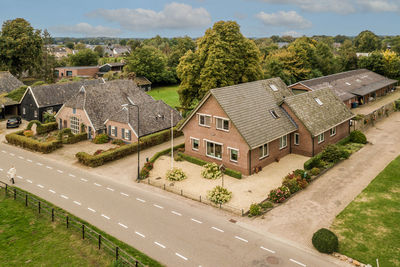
point(13, 122)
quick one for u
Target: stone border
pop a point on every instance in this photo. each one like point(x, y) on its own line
point(349, 260)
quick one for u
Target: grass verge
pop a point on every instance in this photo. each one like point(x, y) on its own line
point(169, 94)
point(368, 228)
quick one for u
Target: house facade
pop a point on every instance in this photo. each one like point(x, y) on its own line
point(83, 71)
point(251, 125)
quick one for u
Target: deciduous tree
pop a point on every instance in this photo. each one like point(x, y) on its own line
point(84, 57)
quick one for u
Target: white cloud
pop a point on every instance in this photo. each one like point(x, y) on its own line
point(342, 6)
point(173, 16)
point(86, 29)
point(292, 33)
point(289, 19)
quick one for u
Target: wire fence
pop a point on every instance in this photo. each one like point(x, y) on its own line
point(56, 214)
point(200, 198)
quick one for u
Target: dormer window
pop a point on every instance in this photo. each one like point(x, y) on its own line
point(318, 101)
point(274, 114)
point(273, 87)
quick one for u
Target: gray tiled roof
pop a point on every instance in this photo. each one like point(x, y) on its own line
point(58, 93)
point(77, 67)
point(248, 106)
point(141, 80)
point(8, 82)
point(319, 118)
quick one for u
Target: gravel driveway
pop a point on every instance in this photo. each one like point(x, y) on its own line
point(318, 204)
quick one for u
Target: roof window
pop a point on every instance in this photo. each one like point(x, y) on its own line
point(318, 101)
point(273, 87)
point(348, 83)
point(274, 114)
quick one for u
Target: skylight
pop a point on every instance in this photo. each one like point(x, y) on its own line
point(318, 101)
point(273, 113)
point(348, 83)
point(273, 87)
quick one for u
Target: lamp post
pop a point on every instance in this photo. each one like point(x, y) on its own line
point(222, 169)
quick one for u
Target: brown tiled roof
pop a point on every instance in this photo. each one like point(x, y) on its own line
point(8, 82)
point(141, 81)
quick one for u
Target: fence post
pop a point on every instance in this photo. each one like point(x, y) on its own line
point(116, 253)
point(39, 207)
point(26, 200)
point(15, 194)
point(83, 231)
point(99, 241)
point(52, 214)
point(67, 221)
point(136, 263)
point(220, 205)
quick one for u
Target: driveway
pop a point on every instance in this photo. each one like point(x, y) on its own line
point(4, 130)
point(318, 204)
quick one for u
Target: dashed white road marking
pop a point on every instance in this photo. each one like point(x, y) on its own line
point(71, 175)
point(4, 151)
point(12, 154)
point(77, 203)
point(267, 249)
point(29, 160)
point(196, 220)
point(64, 197)
point(60, 171)
point(242, 239)
point(96, 184)
point(158, 206)
point(48, 167)
point(52, 191)
point(19, 176)
point(29, 181)
point(105, 216)
point(1, 169)
point(299, 263)
point(141, 200)
point(84, 180)
point(159, 244)
point(180, 256)
point(217, 229)
point(38, 163)
point(92, 210)
point(110, 189)
point(41, 186)
point(20, 157)
point(139, 234)
point(124, 194)
point(176, 213)
point(123, 225)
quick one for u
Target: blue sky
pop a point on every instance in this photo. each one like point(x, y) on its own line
point(257, 18)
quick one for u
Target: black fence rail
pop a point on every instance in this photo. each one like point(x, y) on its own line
point(56, 214)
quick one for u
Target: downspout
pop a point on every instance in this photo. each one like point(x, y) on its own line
point(249, 161)
point(290, 145)
point(312, 140)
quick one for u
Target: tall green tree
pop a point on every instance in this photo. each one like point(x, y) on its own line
point(347, 56)
point(49, 62)
point(21, 46)
point(84, 57)
point(99, 50)
point(367, 41)
point(374, 62)
point(223, 57)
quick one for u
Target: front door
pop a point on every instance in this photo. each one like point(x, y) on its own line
point(89, 132)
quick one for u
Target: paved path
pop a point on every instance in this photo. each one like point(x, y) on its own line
point(318, 205)
point(173, 230)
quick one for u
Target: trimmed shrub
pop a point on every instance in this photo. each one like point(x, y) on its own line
point(233, 173)
point(279, 194)
point(101, 139)
point(303, 174)
point(18, 139)
point(176, 174)
point(28, 133)
point(292, 184)
point(325, 241)
point(331, 153)
point(219, 195)
point(255, 210)
point(344, 141)
point(313, 162)
point(159, 137)
point(267, 205)
point(358, 137)
point(42, 128)
point(315, 171)
point(211, 171)
point(118, 142)
point(71, 138)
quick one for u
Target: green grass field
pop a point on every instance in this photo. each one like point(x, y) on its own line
point(369, 227)
point(169, 94)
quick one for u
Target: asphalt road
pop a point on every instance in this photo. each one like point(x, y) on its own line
point(173, 231)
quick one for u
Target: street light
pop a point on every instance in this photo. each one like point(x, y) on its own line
point(138, 137)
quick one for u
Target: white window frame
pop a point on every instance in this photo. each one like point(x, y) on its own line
point(321, 138)
point(74, 123)
point(281, 146)
point(274, 114)
point(126, 134)
point(222, 121)
point(265, 152)
point(273, 87)
point(333, 131)
point(198, 141)
point(215, 143)
point(113, 131)
point(318, 101)
point(298, 139)
point(205, 120)
point(230, 149)
point(35, 113)
point(23, 111)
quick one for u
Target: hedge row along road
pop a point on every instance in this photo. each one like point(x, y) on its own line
point(168, 228)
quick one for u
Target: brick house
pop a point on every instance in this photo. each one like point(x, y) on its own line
point(107, 108)
point(253, 124)
point(8, 83)
point(82, 71)
point(354, 88)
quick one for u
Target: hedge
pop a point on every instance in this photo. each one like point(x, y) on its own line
point(42, 128)
point(120, 152)
point(18, 139)
point(72, 138)
point(197, 161)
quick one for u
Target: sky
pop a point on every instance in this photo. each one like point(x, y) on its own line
point(257, 18)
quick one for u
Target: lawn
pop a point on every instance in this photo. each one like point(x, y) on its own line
point(368, 228)
point(169, 94)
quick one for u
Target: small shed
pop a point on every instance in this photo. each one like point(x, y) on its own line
point(143, 83)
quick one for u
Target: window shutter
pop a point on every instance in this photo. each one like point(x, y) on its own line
point(109, 129)
point(123, 133)
point(116, 131)
point(129, 135)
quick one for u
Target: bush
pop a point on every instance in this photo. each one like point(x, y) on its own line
point(303, 174)
point(331, 153)
point(292, 184)
point(267, 205)
point(313, 162)
point(211, 171)
point(71, 138)
point(233, 173)
point(42, 128)
point(28, 133)
point(18, 139)
point(279, 195)
point(101, 139)
point(176, 174)
point(358, 137)
point(255, 210)
point(325, 241)
point(118, 142)
point(219, 195)
point(315, 171)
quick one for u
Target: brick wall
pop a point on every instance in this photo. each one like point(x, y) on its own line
point(65, 115)
point(121, 126)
